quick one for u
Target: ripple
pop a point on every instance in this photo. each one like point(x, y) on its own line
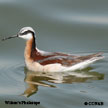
point(11, 77)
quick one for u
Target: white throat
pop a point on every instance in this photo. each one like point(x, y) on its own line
point(27, 36)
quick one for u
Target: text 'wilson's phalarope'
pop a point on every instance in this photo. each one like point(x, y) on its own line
point(41, 61)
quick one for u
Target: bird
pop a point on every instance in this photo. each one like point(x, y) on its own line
point(41, 61)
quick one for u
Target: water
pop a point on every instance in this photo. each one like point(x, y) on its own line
point(78, 27)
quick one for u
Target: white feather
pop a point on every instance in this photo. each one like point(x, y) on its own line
point(27, 36)
point(26, 29)
point(83, 64)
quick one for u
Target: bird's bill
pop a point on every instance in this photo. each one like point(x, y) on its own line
point(5, 38)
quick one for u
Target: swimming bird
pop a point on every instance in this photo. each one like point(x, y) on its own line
point(42, 61)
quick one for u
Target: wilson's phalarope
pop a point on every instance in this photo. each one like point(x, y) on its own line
point(41, 61)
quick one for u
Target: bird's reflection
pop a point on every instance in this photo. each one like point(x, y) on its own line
point(35, 79)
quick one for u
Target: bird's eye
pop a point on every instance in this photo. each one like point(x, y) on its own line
point(24, 33)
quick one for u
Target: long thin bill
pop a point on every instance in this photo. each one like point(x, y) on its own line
point(5, 38)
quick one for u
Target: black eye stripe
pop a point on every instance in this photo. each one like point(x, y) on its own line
point(26, 32)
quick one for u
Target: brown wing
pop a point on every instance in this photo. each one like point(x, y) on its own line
point(64, 59)
point(52, 57)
